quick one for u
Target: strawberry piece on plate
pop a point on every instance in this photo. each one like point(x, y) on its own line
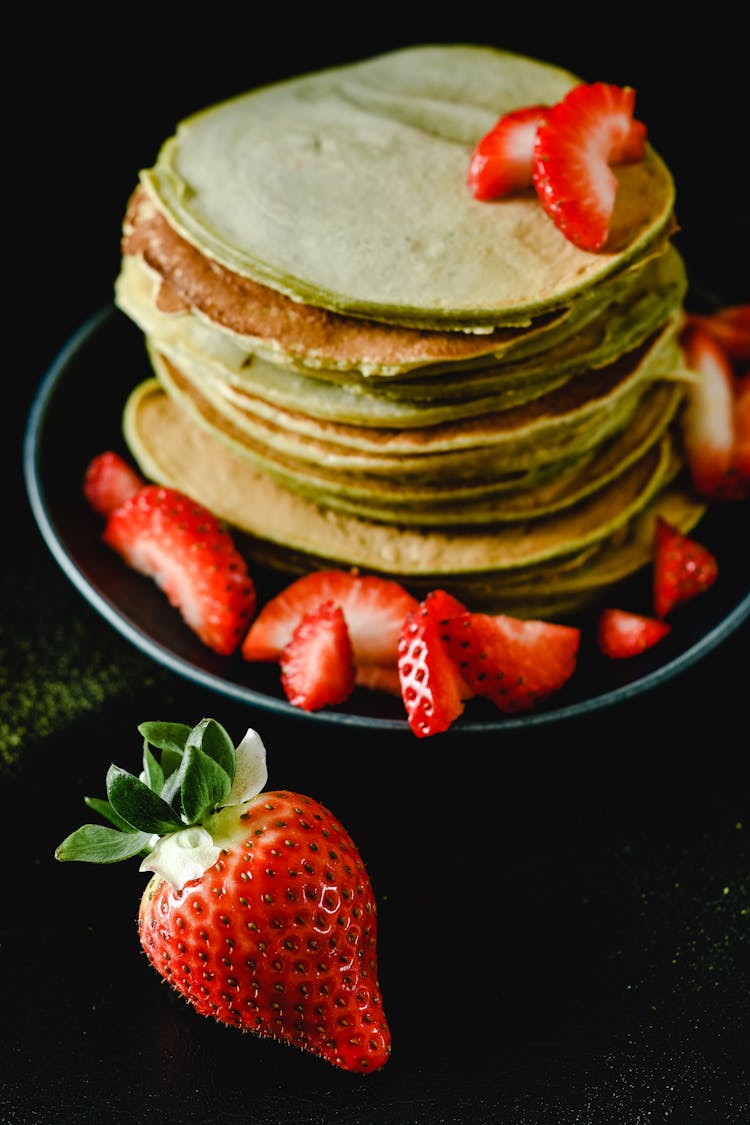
point(730, 327)
point(579, 138)
point(374, 609)
point(683, 568)
point(513, 662)
point(109, 481)
point(191, 556)
point(317, 664)
point(503, 160)
point(715, 419)
point(430, 682)
point(621, 634)
point(742, 426)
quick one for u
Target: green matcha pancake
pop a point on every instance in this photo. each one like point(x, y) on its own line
point(354, 361)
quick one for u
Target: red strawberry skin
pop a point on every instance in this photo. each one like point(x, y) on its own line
point(279, 936)
point(621, 634)
point(742, 426)
point(191, 556)
point(513, 662)
point(683, 568)
point(730, 328)
point(714, 425)
point(374, 609)
point(579, 138)
point(431, 685)
point(109, 481)
point(317, 665)
point(503, 160)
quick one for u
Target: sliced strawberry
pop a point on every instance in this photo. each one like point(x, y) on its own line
point(430, 683)
point(621, 634)
point(385, 677)
point(191, 556)
point(317, 664)
point(730, 327)
point(379, 677)
point(374, 609)
point(503, 160)
point(712, 419)
point(575, 144)
point(109, 481)
point(442, 606)
point(513, 662)
point(683, 568)
point(742, 425)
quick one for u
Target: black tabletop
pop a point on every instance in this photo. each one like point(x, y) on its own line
point(564, 910)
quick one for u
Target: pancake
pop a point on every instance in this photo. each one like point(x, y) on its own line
point(346, 189)
point(521, 369)
point(267, 323)
point(354, 362)
point(537, 440)
point(173, 450)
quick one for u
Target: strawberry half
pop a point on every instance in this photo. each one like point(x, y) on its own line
point(683, 568)
point(259, 912)
point(374, 609)
point(191, 556)
point(109, 481)
point(577, 141)
point(621, 634)
point(514, 663)
point(503, 160)
point(317, 664)
point(714, 422)
point(431, 686)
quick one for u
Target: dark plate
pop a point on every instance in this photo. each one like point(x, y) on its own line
point(76, 414)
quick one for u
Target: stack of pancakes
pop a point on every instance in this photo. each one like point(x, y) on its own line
point(357, 363)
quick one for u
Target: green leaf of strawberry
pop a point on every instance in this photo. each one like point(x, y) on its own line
point(105, 810)
point(166, 736)
point(94, 843)
point(132, 799)
point(204, 784)
point(210, 737)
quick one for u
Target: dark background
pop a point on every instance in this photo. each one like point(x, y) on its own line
point(564, 912)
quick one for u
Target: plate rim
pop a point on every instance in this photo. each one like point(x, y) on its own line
point(50, 383)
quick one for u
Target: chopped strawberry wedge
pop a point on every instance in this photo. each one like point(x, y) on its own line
point(715, 419)
point(442, 606)
point(379, 677)
point(578, 140)
point(683, 568)
point(191, 556)
point(374, 609)
point(730, 327)
point(514, 663)
point(317, 664)
point(430, 682)
point(109, 481)
point(621, 634)
point(742, 426)
point(503, 160)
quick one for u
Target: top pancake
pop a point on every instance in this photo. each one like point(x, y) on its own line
point(375, 155)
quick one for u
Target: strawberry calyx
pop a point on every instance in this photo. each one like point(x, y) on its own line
point(170, 814)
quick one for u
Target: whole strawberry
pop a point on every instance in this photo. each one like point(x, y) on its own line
point(260, 911)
